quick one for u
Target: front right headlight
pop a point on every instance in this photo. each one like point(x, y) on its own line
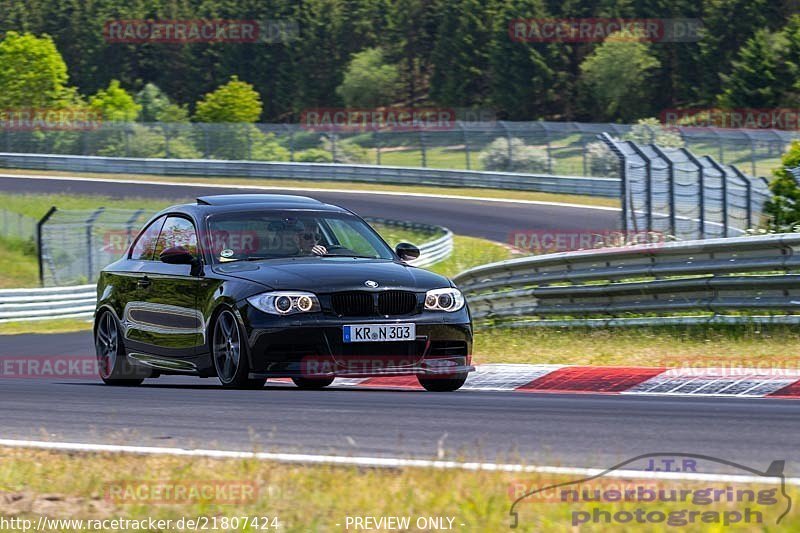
point(449, 299)
point(285, 302)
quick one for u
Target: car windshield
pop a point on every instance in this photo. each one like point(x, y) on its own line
point(261, 235)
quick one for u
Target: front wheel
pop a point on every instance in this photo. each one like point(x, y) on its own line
point(112, 362)
point(445, 383)
point(230, 354)
point(312, 383)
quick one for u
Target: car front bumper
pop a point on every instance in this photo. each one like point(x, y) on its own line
point(313, 347)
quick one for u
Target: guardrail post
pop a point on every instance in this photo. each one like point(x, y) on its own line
point(42, 221)
point(89, 248)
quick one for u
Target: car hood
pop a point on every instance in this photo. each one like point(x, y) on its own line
point(332, 274)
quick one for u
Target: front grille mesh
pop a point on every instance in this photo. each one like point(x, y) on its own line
point(362, 303)
point(396, 302)
point(352, 303)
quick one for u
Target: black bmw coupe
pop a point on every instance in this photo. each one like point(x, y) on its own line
point(247, 287)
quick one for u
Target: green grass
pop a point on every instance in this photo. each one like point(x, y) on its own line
point(469, 252)
point(733, 346)
point(18, 264)
point(319, 498)
point(62, 325)
point(36, 205)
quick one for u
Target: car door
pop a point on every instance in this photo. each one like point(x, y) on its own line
point(163, 320)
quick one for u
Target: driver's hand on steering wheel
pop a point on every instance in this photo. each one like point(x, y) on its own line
point(319, 249)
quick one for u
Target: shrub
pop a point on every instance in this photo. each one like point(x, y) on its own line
point(313, 155)
point(602, 162)
point(513, 156)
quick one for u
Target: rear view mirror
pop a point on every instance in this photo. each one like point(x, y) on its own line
point(406, 251)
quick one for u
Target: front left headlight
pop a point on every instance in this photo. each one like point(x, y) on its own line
point(449, 299)
point(285, 302)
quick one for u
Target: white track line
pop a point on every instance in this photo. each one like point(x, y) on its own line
point(385, 462)
point(314, 189)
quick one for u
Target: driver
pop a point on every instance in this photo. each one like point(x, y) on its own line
point(306, 239)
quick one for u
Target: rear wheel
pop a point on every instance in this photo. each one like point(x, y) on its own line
point(112, 362)
point(230, 354)
point(445, 383)
point(312, 383)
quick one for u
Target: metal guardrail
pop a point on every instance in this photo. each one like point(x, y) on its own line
point(606, 187)
point(725, 279)
point(50, 302)
point(430, 252)
point(79, 301)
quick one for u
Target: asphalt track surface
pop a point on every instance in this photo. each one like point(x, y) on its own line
point(584, 430)
point(489, 220)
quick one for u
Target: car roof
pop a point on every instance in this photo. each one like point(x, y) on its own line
point(226, 203)
point(279, 200)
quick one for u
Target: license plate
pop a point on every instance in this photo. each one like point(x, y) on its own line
point(379, 332)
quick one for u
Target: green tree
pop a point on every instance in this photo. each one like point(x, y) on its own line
point(32, 72)
point(236, 101)
point(369, 81)
point(115, 104)
point(759, 77)
point(618, 74)
point(783, 208)
point(460, 55)
point(153, 101)
point(522, 82)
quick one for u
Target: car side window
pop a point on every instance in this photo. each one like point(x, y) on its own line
point(145, 245)
point(177, 231)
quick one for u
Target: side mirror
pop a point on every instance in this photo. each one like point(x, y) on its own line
point(406, 251)
point(177, 255)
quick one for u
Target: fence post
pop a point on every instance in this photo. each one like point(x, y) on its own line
point(129, 224)
point(648, 194)
point(623, 176)
point(702, 190)
point(422, 147)
point(724, 193)
point(466, 143)
point(89, 248)
point(42, 221)
point(748, 194)
point(671, 187)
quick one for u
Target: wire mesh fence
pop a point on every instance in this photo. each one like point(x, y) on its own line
point(559, 148)
point(675, 192)
point(76, 244)
point(17, 226)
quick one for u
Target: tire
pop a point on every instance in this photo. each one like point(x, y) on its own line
point(229, 353)
point(443, 384)
point(312, 383)
point(113, 365)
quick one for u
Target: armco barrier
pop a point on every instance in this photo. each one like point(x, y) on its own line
point(607, 187)
point(51, 302)
point(79, 301)
point(725, 280)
